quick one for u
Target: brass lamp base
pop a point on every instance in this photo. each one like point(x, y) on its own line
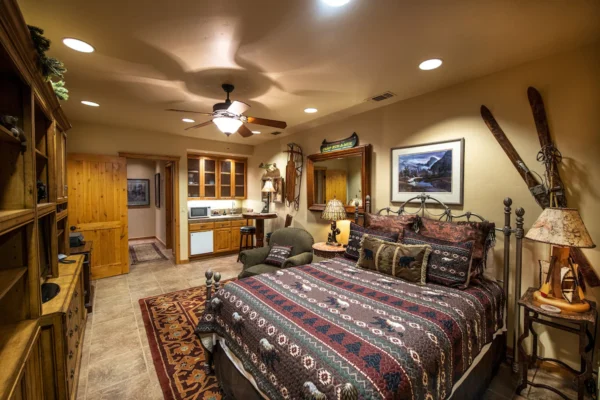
point(560, 303)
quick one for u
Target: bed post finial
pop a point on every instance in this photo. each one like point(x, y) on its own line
point(208, 274)
point(519, 234)
point(217, 281)
point(348, 392)
point(356, 213)
point(368, 204)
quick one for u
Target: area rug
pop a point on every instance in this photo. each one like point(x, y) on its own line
point(178, 357)
point(145, 252)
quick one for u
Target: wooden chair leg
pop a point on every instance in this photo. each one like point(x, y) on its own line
point(240, 249)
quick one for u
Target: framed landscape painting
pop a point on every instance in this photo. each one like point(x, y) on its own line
point(434, 168)
point(138, 192)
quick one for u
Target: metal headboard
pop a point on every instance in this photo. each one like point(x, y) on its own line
point(447, 215)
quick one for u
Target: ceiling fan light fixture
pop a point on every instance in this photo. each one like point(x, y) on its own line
point(227, 125)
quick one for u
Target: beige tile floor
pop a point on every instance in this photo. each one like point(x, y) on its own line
point(117, 363)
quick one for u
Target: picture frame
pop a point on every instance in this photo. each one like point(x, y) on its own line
point(138, 193)
point(431, 168)
point(157, 190)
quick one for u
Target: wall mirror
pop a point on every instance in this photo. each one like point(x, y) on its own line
point(344, 174)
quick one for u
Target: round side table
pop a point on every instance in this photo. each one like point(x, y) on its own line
point(325, 250)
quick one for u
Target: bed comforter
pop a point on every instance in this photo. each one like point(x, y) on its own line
point(330, 323)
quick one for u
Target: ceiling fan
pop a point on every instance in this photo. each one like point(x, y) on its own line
point(228, 116)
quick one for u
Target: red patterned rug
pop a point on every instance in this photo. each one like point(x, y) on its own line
point(178, 357)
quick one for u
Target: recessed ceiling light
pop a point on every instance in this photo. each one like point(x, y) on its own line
point(188, 120)
point(78, 45)
point(310, 110)
point(430, 64)
point(336, 3)
point(256, 132)
point(90, 103)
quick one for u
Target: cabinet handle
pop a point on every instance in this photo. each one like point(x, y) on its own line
point(77, 309)
point(76, 328)
point(72, 375)
point(70, 354)
point(77, 344)
point(70, 332)
point(70, 314)
point(75, 294)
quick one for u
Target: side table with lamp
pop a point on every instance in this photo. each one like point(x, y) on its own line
point(334, 211)
point(560, 299)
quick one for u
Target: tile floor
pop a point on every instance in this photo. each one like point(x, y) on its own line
point(117, 363)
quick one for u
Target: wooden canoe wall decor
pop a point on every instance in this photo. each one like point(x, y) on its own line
point(342, 144)
point(550, 193)
point(293, 175)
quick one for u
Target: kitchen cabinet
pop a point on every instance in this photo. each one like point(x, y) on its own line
point(215, 178)
point(222, 239)
point(224, 236)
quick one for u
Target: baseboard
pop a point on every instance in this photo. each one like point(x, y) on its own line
point(142, 238)
point(163, 243)
point(183, 261)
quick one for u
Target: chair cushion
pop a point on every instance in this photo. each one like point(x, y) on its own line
point(258, 269)
point(248, 229)
point(278, 254)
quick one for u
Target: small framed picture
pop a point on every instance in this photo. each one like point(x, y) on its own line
point(157, 190)
point(432, 168)
point(138, 192)
point(278, 195)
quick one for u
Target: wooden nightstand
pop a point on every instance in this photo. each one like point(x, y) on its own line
point(324, 250)
point(581, 324)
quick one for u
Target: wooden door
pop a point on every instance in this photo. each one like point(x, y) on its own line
point(235, 238)
point(238, 182)
point(169, 205)
point(222, 240)
point(335, 185)
point(98, 209)
point(208, 178)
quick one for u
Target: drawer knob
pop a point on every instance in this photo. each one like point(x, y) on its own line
point(70, 314)
point(77, 344)
point(75, 294)
point(70, 332)
point(76, 328)
point(72, 374)
point(77, 309)
point(70, 354)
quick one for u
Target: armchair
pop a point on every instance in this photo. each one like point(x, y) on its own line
point(301, 242)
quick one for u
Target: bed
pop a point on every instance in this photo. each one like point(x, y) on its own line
point(329, 330)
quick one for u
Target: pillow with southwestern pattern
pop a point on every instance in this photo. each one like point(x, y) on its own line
point(356, 234)
point(278, 254)
point(449, 262)
point(390, 223)
point(462, 231)
point(396, 259)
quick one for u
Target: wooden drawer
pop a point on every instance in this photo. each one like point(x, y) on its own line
point(223, 224)
point(201, 226)
point(239, 222)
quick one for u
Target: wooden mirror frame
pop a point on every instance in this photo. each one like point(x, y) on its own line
point(364, 151)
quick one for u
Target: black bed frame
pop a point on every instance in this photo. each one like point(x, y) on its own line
point(235, 386)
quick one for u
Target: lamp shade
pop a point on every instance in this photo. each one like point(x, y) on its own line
point(268, 187)
point(227, 125)
point(560, 227)
point(334, 211)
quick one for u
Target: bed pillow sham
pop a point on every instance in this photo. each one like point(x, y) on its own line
point(356, 234)
point(449, 263)
point(278, 254)
point(407, 262)
point(390, 223)
point(461, 232)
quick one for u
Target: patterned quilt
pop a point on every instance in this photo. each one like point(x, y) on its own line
point(330, 323)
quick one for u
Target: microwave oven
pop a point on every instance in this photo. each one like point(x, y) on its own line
point(198, 212)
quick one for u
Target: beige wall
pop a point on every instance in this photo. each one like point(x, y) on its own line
point(142, 220)
point(109, 140)
point(570, 86)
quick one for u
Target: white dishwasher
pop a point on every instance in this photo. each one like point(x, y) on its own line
point(201, 242)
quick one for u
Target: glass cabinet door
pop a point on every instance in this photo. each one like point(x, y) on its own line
point(225, 179)
point(239, 179)
point(209, 178)
point(193, 178)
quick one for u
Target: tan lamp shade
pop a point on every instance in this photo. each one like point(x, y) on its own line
point(334, 211)
point(560, 227)
point(268, 187)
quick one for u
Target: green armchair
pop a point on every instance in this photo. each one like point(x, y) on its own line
point(301, 241)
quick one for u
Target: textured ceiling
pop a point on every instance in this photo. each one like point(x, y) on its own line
point(284, 56)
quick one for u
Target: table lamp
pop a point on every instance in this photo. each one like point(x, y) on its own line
point(563, 229)
point(268, 188)
point(334, 211)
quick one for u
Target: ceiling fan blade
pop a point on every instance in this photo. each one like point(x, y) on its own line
point(187, 111)
point(237, 107)
point(267, 122)
point(244, 131)
point(199, 125)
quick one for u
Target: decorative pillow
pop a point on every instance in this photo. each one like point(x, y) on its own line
point(278, 254)
point(356, 234)
point(460, 232)
point(390, 223)
point(449, 263)
point(396, 259)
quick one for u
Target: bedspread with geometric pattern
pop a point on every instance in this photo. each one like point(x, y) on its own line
point(330, 323)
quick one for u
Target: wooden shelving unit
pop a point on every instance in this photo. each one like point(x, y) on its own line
point(27, 224)
point(216, 178)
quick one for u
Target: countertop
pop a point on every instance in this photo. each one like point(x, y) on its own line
point(217, 218)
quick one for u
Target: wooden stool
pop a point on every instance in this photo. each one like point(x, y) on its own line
point(246, 232)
